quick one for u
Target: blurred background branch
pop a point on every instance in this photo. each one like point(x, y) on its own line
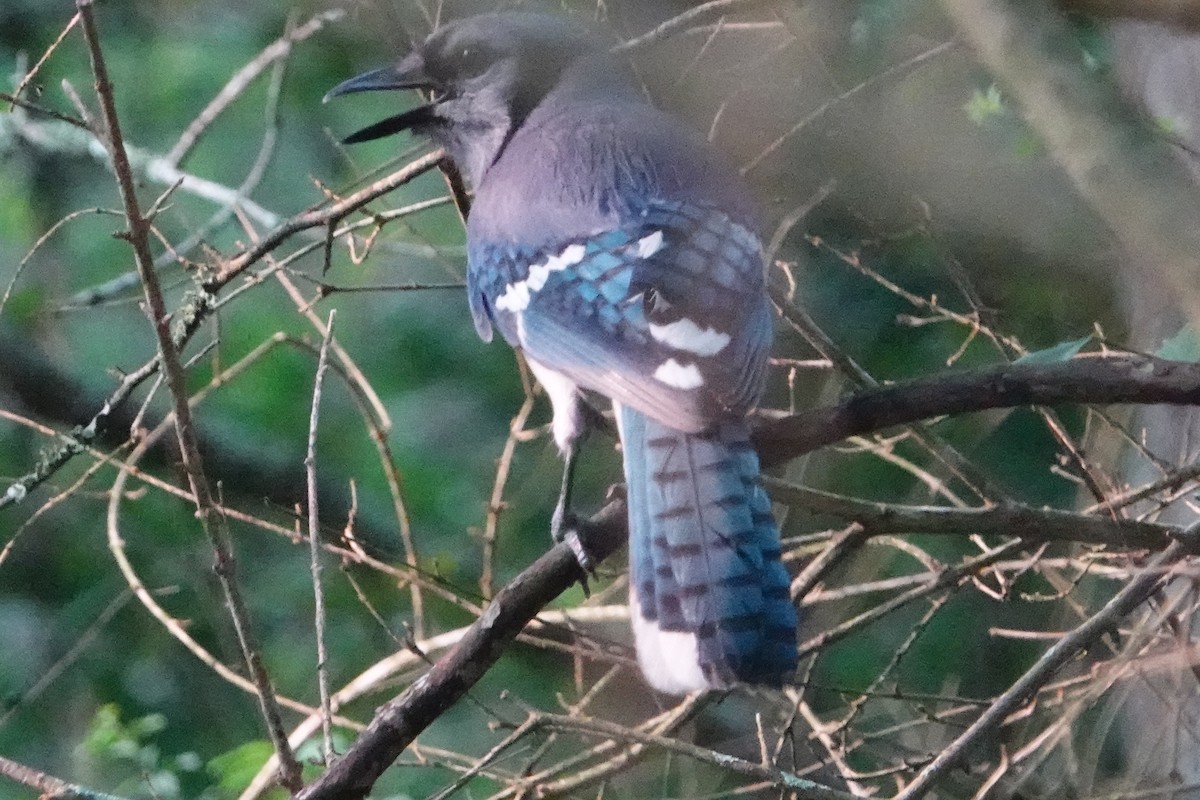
point(1129, 175)
point(1182, 13)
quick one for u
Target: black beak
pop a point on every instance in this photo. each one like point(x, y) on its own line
point(408, 74)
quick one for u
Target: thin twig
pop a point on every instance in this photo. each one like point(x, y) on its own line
point(834, 747)
point(1097, 482)
point(51, 502)
point(379, 422)
point(933, 583)
point(1168, 483)
point(945, 453)
point(33, 71)
point(608, 762)
point(314, 541)
point(1033, 524)
point(37, 245)
point(49, 112)
point(487, 758)
point(379, 673)
point(236, 85)
point(81, 643)
point(516, 433)
point(116, 544)
point(896, 70)
point(680, 21)
point(795, 216)
point(200, 311)
point(800, 787)
point(398, 722)
point(50, 787)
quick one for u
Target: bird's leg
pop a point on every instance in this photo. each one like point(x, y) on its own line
point(565, 519)
point(570, 427)
point(564, 525)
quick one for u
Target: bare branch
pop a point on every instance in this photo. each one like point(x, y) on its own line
point(1031, 524)
point(894, 71)
point(314, 541)
point(199, 311)
point(801, 788)
point(233, 88)
point(516, 434)
point(168, 355)
point(33, 71)
point(1118, 379)
point(398, 722)
point(681, 21)
point(51, 788)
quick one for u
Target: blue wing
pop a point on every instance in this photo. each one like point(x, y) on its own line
point(665, 313)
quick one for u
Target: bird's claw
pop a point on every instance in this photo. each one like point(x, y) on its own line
point(564, 527)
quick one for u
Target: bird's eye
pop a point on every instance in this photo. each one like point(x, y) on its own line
point(473, 60)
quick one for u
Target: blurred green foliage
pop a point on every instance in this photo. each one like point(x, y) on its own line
point(118, 748)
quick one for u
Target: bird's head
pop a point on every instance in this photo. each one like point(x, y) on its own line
point(483, 75)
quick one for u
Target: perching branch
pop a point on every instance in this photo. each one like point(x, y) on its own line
point(398, 722)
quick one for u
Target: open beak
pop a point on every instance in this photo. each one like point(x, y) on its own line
point(408, 74)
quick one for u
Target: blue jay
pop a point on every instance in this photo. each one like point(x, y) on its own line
point(610, 245)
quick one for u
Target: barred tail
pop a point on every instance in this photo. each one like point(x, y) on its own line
point(708, 592)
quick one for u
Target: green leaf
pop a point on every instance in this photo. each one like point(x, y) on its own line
point(1183, 346)
point(1063, 351)
point(1027, 146)
point(105, 733)
point(984, 105)
point(235, 769)
point(1166, 125)
point(147, 726)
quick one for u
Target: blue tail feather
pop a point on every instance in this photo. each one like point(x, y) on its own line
point(709, 591)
